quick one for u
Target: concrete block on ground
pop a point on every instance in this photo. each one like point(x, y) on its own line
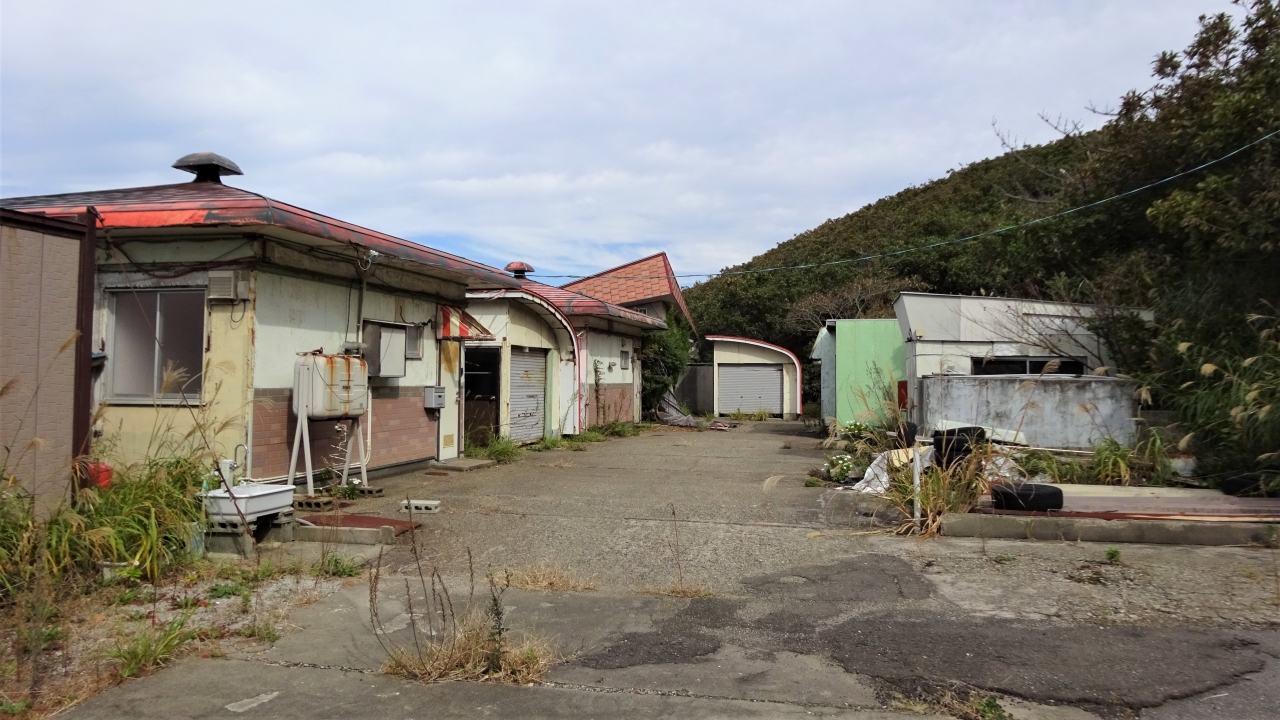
point(418, 507)
point(385, 535)
point(464, 464)
point(1153, 532)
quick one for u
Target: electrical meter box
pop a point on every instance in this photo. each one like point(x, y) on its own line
point(330, 386)
point(434, 398)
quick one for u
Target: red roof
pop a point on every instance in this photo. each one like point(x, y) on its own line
point(571, 303)
point(210, 204)
point(649, 278)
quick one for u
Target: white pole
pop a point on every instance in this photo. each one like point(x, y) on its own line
point(915, 480)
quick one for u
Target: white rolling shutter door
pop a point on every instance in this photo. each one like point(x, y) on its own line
point(528, 394)
point(750, 388)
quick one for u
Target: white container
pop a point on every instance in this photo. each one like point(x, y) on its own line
point(253, 501)
point(331, 386)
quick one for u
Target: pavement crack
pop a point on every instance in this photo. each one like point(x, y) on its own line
point(309, 666)
point(697, 696)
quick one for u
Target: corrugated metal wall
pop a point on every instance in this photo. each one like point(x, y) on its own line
point(528, 394)
point(749, 388)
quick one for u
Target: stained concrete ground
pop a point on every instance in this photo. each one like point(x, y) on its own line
point(811, 615)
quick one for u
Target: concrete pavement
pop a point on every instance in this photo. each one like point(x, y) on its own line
point(810, 617)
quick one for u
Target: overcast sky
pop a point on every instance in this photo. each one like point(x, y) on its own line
point(572, 135)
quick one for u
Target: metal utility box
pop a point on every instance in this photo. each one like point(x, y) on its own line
point(386, 349)
point(330, 386)
point(433, 399)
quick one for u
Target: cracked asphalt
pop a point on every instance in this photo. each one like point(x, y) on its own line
point(809, 615)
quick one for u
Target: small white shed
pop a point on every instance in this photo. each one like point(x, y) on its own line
point(753, 375)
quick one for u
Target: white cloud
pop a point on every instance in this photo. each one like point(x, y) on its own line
point(574, 135)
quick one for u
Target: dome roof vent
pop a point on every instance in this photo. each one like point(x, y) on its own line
point(207, 166)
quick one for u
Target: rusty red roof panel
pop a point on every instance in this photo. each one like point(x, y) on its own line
point(571, 303)
point(206, 204)
point(648, 278)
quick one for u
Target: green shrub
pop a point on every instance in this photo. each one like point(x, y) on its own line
point(590, 436)
point(617, 429)
point(500, 449)
point(146, 517)
point(337, 567)
point(549, 443)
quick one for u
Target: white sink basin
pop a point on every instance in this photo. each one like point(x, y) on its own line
point(251, 501)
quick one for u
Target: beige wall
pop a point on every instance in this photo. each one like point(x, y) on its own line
point(38, 288)
point(513, 324)
point(728, 352)
point(221, 420)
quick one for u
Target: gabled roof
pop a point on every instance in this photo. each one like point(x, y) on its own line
point(649, 278)
point(576, 304)
point(212, 204)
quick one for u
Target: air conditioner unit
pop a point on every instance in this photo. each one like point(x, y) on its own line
point(227, 286)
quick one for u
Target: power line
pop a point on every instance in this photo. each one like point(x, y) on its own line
point(930, 246)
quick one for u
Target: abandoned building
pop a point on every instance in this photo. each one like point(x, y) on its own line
point(207, 294)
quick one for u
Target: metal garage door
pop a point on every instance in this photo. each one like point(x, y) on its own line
point(750, 388)
point(528, 393)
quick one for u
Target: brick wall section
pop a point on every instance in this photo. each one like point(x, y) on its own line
point(402, 431)
point(618, 404)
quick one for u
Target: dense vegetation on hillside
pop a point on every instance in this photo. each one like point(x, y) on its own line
point(1203, 251)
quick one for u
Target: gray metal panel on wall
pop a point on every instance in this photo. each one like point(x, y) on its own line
point(750, 388)
point(528, 394)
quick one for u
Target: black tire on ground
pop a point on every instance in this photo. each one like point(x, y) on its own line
point(1037, 497)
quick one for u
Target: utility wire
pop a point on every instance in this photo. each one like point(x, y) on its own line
point(930, 246)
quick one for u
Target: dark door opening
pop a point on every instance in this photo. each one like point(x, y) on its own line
point(484, 385)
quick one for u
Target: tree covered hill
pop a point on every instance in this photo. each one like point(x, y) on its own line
point(1214, 231)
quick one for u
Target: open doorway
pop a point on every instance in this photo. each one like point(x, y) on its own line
point(484, 385)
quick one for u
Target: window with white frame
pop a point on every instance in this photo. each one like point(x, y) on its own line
point(157, 345)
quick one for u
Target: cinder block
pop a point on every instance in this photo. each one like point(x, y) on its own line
point(419, 507)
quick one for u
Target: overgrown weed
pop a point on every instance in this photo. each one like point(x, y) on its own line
point(150, 647)
point(500, 450)
point(550, 576)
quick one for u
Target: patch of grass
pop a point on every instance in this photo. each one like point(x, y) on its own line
point(590, 436)
point(151, 647)
point(618, 429)
point(551, 577)
point(500, 449)
point(576, 446)
point(261, 631)
point(226, 590)
point(38, 639)
point(186, 602)
point(813, 482)
point(336, 567)
point(1113, 555)
point(761, 415)
point(14, 707)
point(988, 708)
point(549, 443)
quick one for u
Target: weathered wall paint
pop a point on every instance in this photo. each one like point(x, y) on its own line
point(1051, 411)
point(729, 352)
point(513, 324)
point(618, 397)
point(221, 420)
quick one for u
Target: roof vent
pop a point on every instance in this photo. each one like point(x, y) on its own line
point(207, 166)
point(519, 269)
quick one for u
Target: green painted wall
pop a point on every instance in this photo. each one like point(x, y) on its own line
point(861, 346)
